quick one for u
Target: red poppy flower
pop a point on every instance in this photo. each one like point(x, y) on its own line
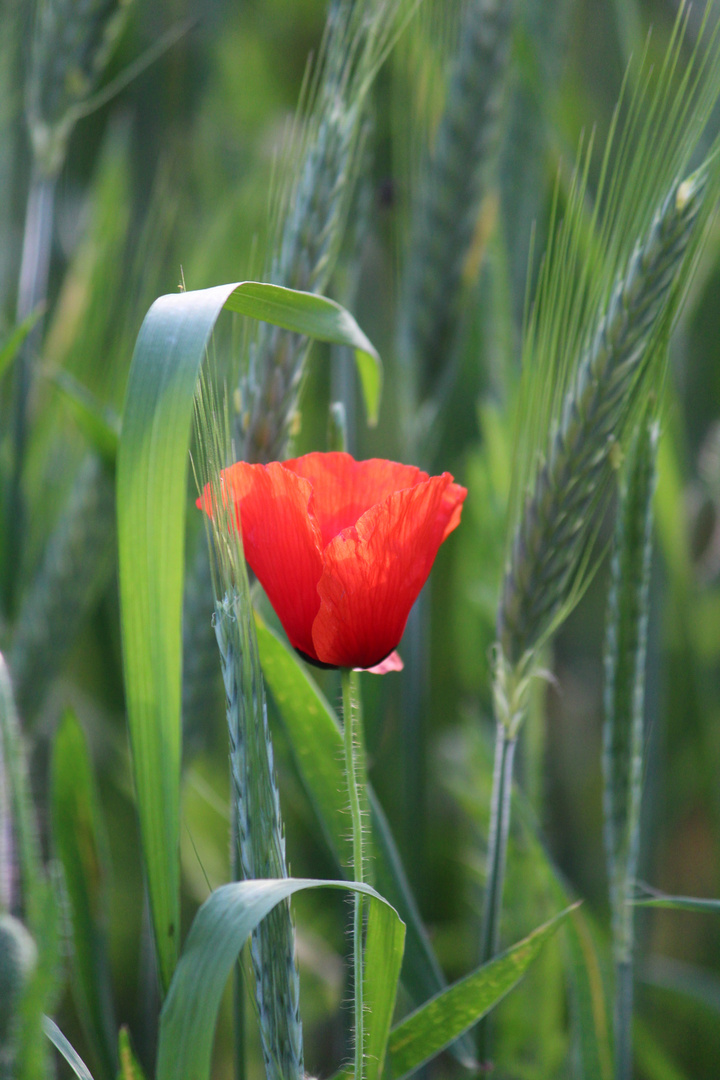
point(342, 547)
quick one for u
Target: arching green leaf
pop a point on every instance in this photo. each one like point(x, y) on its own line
point(151, 495)
point(219, 931)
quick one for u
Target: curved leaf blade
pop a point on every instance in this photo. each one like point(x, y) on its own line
point(64, 1047)
point(437, 1023)
point(219, 931)
point(151, 495)
point(680, 903)
point(318, 317)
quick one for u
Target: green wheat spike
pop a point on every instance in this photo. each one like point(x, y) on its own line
point(454, 182)
point(311, 210)
point(557, 518)
point(71, 44)
point(624, 699)
point(75, 568)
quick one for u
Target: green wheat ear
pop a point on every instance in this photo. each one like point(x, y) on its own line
point(310, 208)
point(557, 520)
point(71, 44)
point(608, 295)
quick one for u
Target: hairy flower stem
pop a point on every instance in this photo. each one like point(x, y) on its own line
point(355, 774)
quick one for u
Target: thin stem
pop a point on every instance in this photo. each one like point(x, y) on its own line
point(623, 1018)
point(355, 770)
point(497, 852)
point(32, 290)
point(240, 1061)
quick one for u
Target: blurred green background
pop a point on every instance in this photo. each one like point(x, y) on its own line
point(169, 180)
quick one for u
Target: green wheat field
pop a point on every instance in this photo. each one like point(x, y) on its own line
point(360, 539)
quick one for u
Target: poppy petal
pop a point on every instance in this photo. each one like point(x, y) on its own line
point(374, 571)
point(343, 489)
point(282, 542)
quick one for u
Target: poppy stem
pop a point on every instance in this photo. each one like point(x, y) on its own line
point(355, 774)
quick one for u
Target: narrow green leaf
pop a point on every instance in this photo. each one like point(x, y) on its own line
point(680, 903)
point(315, 738)
point(14, 775)
point(130, 1068)
point(384, 945)
point(79, 841)
point(68, 1051)
point(99, 424)
point(219, 931)
point(151, 495)
point(317, 317)
point(11, 346)
point(432, 1027)
point(589, 1009)
point(317, 746)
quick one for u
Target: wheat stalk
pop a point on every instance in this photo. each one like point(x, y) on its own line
point(623, 736)
point(261, 844)
point(556, 524)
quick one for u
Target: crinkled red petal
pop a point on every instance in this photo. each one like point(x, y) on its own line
point(344, 489)
point(282, 542)
point(374, 571)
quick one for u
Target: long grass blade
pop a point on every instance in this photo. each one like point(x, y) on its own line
point(219, 930)
point(79, 837)
point(422, 1035)
point(151, 493)
point(65, 1047)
